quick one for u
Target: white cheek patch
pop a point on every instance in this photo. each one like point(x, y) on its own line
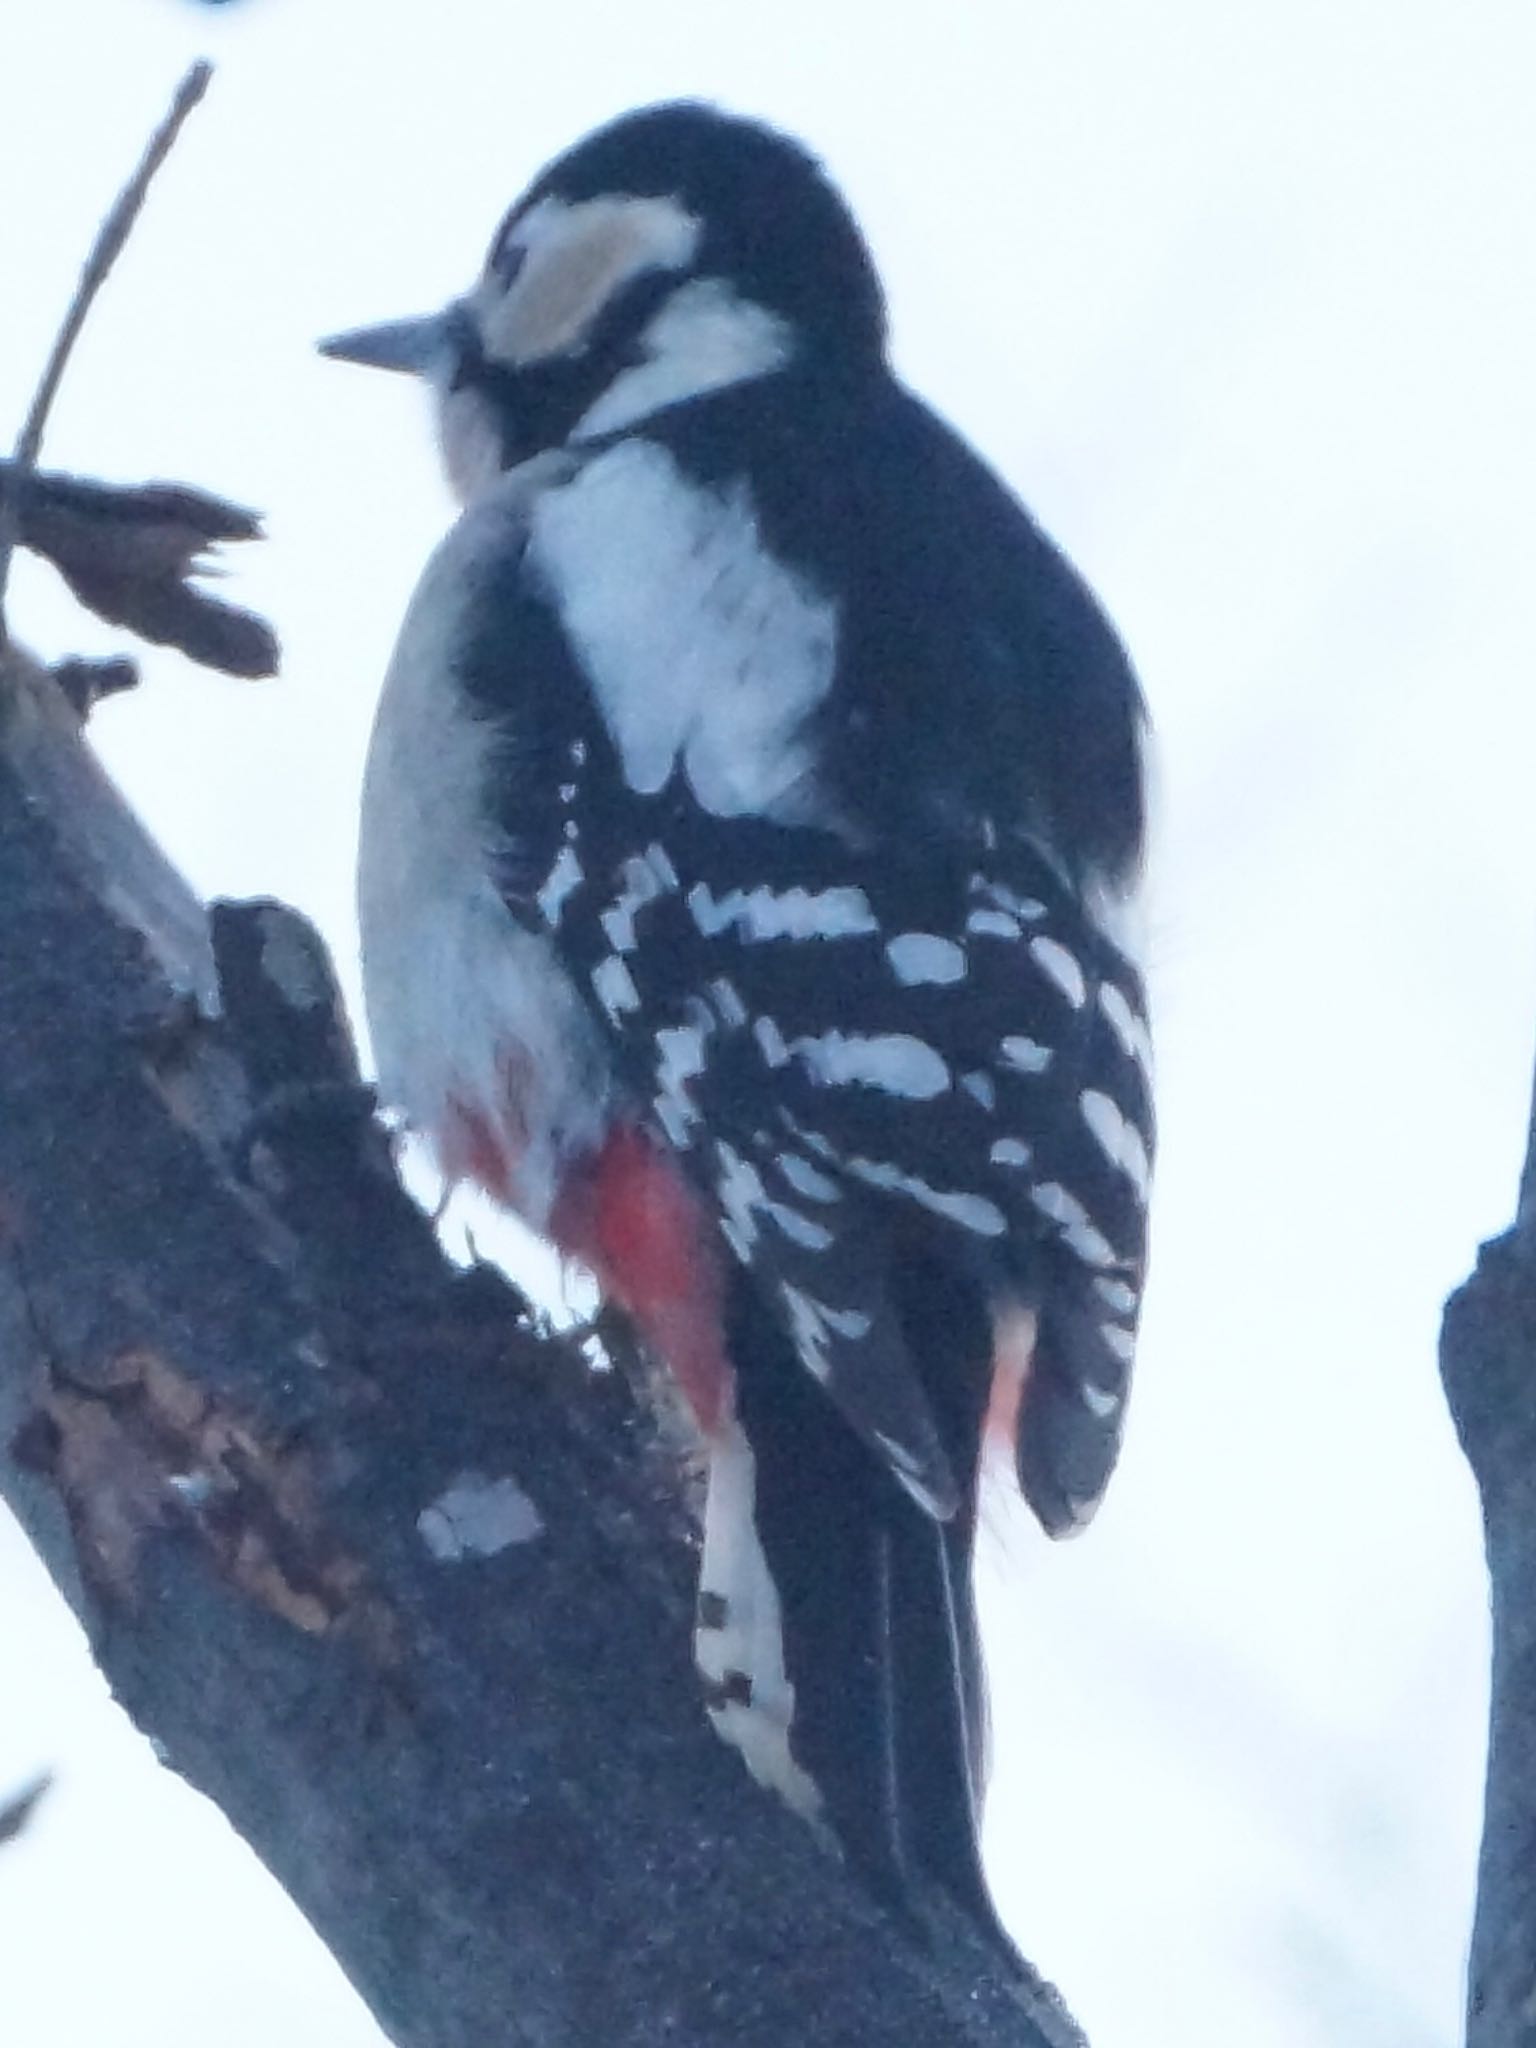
point(575, 259)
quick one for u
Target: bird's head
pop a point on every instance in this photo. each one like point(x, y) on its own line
point(673, 253)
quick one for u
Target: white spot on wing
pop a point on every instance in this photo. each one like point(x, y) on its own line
point(1010, 1152)
point(563, 878)
point(982, 1087)
point(765, 913)
point(1117, 913)
point(1119, 1341)
point(701, 648)
point(643, 878)
point(741, 1191)
point(614, 987)
point(1062, 968)
point(994, 924)
point(1115, 1295)
point(802, 1229)
point(770, 1041)
point(922, 957)
point(813, 1325)
point(1077, 1227)
point(729, 1007)
point(971, 1212)
point(1028, 908)
point(1099, 1401)
point(1117, 1138)
point(893, 1061)
point(1025, 1055)
point(806, 1179)
point(1126, 1025)
point(680, 1059)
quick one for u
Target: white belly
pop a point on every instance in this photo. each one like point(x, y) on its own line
point(477, 1033)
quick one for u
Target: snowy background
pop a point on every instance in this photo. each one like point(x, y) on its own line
point(1239, 297)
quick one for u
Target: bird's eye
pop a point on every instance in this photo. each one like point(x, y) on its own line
point(506, 259)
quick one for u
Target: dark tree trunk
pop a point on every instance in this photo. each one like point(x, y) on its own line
point(1488, 1363)
point(392, 1576)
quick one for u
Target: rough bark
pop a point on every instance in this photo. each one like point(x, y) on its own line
point(386, 1571)
point(1488, 1365)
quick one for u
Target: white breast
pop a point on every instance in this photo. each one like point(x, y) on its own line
point(701, 648)
point(470, 1013)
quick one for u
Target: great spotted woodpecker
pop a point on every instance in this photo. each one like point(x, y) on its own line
point(750, 833)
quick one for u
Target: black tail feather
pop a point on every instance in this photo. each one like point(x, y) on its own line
point(879, 1628)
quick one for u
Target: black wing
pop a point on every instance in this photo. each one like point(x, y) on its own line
point(897, 1011)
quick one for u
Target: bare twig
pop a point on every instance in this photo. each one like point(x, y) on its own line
point(110, 238)
point(19, 1809)
point(128, 553)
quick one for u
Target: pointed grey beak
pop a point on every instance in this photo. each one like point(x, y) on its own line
point(413, 345)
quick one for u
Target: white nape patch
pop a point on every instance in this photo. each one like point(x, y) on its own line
point(971, 1212)
point(704, 338)
point(469, 1012)
point(806, 1179)
point(1025, 1055)
point(812, 1326)
point(1100, 1402)
point(1010, 1152)
point(739, 1641)
point(702, 650)
point(563, 879)
point(995, 924)
point(1127, 1026)
point(982, 1088)
point(680, 1059)
point(765, 913)
point(1117, 1138)
point(1119, 1341)
point(476, 1517)
point(643, 878)
point(614, 987)
point(575, 259)
point(918, 957)
point(893, 1061)
point(1115, 1295)
point(1077, 1228)
point(1062, 968)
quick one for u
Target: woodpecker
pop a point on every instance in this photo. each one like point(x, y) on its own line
point(751, 834)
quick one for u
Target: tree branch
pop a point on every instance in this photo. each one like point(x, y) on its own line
point(1488, 1366)
point(110, 237)
point(392, 1576)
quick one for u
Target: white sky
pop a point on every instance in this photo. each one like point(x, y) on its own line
point(1239, 297)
